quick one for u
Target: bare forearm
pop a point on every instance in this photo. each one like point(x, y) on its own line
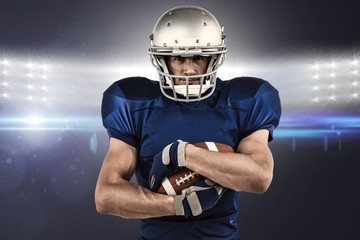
point(129, 200)
point(237, 171)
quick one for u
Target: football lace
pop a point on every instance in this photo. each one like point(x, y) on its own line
point(185, 178)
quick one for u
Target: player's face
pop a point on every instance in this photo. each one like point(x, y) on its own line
point(187, 66)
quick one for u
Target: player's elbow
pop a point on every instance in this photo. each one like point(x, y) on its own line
point(100, 202)
point(105, 204)
point(262, 178)
point(262, 182)
point(255, 184)
point(100, 207)
point(103, 200)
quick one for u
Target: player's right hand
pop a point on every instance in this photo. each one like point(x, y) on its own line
point(165, 162)
point(198, 198)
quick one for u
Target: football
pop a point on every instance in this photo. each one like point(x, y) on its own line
point(183, 177)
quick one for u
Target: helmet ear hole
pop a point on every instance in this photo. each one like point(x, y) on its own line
point(193, 31)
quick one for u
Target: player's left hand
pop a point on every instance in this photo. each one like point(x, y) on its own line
point(165, 162)
point(198, 198)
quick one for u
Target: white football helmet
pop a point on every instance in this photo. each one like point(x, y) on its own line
point(187, 31)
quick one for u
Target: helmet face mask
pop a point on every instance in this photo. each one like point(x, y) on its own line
point(187, 31)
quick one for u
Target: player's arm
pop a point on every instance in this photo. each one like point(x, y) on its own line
point(250, 169)
point(116, 195)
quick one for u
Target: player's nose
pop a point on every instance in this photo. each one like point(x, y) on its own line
point(189, 67)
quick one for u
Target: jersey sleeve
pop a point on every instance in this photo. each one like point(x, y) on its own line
point(265, 110)
point(117, 117)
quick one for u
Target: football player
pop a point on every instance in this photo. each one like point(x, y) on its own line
point(152, 126)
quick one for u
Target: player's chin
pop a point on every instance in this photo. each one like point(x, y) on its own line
point(192, 81)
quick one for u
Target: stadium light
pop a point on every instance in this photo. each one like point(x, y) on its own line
point(44, 67)
point(316, 66)
point(316, 99)
point(30, 65)
point(5, 62)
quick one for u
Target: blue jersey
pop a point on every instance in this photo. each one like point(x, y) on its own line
point(135, 111)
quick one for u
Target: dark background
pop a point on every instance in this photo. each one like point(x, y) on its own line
point(48, 173)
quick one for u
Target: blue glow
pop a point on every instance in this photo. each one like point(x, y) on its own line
point(93, 143)
point(296, 126)
point(51, 124)
point(290, 133)
point(315, 126)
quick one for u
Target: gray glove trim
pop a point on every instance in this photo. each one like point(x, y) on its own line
point(166, 154)
point(194, 204)
point(178, 203)
point(181, 153)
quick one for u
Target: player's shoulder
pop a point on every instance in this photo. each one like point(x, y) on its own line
point(134, 88)
point(241, 88)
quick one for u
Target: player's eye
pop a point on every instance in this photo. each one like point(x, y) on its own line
point(177, 58)
point(200, 58)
